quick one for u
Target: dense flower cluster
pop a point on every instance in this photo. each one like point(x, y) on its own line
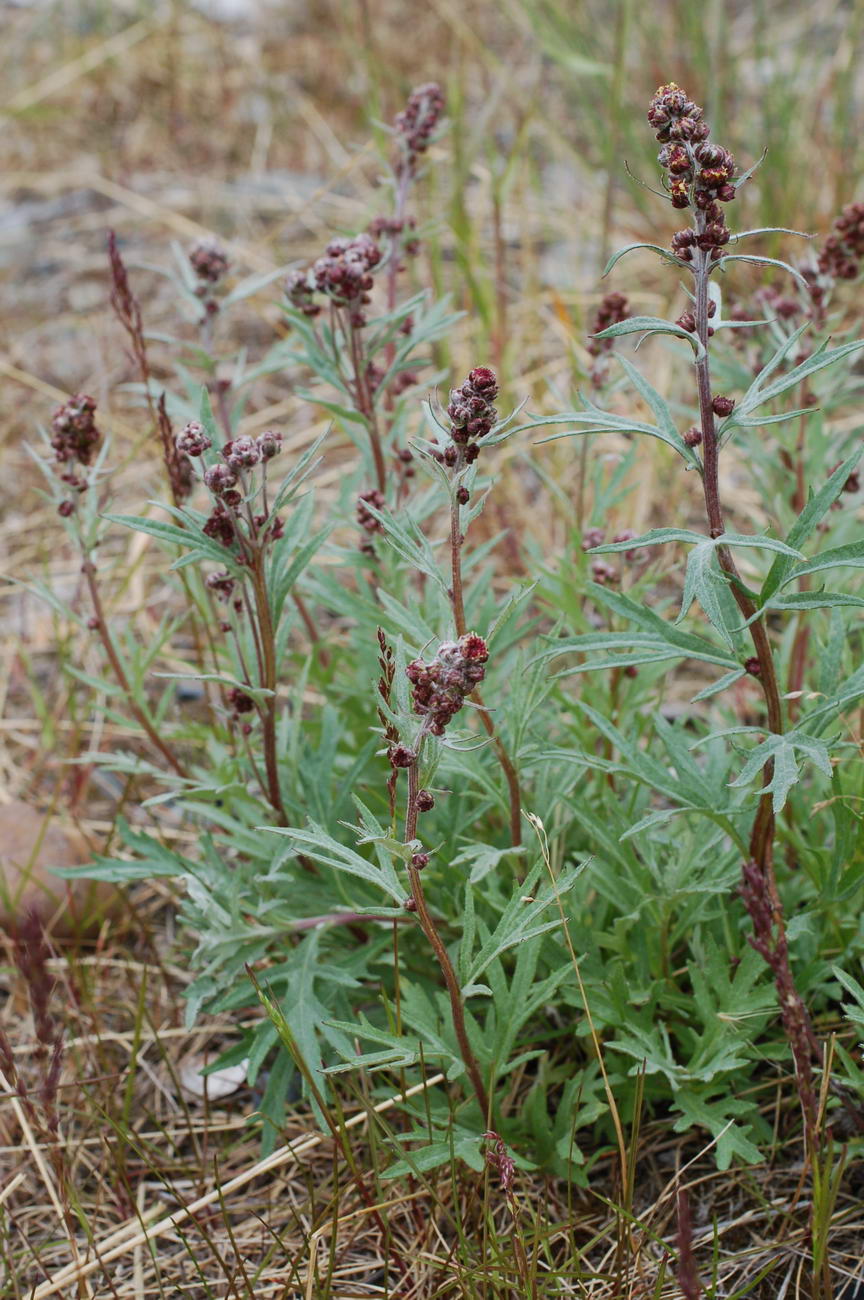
point(220, 525)
point(75, 435)
point(74, 439)
point(239, 455)
point(472, 415)
point(343, 274)
point(441, 687)
point(209, 261)
point(365, 518)
point(415, 125)
point(699, 172)
point(844, 248)
point(613, 308)
point(192, 440)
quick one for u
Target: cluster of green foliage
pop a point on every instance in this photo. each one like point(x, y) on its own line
point(604, 962)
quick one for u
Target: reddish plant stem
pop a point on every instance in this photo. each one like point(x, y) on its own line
point(798, 656)
point(267, 649)
point(89, 571)
point(507, 766)
point(796, 1019)
point(427, 925)
point(763, 830)
point(366, 406)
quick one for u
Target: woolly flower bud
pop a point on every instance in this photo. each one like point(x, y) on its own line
point(76, 436)
point(221, 584)
point(300, 293)
point(613, 309)
point(844, 248)
point(424, 801)
point(241, 453)
point(401, 756)
point(441, 687)
point(470, 409)
point(240, 702)
point(365, 518)
point(219, 478)
point(192, 439)
point(269, 444)
point(693, 437)
point(722, 406)
point(209, 260)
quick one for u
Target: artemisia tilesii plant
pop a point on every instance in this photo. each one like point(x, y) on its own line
point(700, 178)
point(385, 702)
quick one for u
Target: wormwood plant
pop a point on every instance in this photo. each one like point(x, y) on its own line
point(380, 712)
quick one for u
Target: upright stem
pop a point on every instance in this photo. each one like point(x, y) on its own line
point(427, 924)
point(510, 774)
point(268, 681)
point(763, 828)
point(366, 406)
point(89, 570)
point(772, 941)
point(798, 656)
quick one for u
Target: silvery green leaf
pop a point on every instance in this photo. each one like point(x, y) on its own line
point(648, 325)
point(664, 253)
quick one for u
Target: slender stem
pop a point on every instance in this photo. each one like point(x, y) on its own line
point(507, 766)
point(89, 570)
point(267, 645)
point(427, 924)
point(772, 941)
point(366, 406)
point(798, 656)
